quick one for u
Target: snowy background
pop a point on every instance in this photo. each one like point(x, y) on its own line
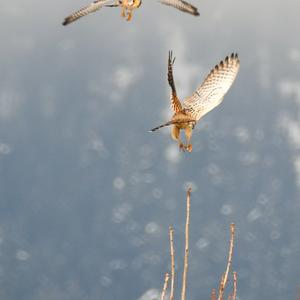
point(87, 194)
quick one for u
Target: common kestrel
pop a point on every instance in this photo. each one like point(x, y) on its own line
point(127, 7)
point(207, 96)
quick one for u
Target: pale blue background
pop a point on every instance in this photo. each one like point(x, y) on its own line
point(87, 194)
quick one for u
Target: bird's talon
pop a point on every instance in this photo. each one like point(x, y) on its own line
point(189, 148)
point(129, 16)
point(182, 147)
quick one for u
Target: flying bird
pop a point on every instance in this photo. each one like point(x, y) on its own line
point(127, 7)
point(206, 97)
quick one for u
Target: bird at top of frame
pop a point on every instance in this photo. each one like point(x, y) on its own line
point(127, 7)
point(206, 97)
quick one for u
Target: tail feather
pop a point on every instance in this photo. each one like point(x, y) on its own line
point(178, 121)
point(161, 126)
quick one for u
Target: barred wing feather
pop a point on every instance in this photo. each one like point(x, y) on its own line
point(211, 92)
point(92, 7)
point(182, 5)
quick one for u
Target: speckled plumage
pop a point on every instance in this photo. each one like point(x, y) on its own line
point(207, 96)
point(211, 92)
point(127, 7)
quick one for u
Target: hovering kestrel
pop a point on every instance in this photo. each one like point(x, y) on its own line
point(207, 96)
point(127, 7)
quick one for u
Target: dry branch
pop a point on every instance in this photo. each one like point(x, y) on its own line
point(213, 295)
point(172, 254)
point(230, 253)
point(186, 252)
point(224, 277)
point(164, 290)
point(234, 285)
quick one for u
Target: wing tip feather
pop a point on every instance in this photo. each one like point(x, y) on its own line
point(66, 22)
point(183, 6)
point(232, 58)
point(196, 12)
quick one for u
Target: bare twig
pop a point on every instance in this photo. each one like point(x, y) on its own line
point(234, 285)
point(220, 284)
point(213, 295)
point(225, 276)
point(164, 290)
point(232, 296)
point(186, 252)
point(172, 253)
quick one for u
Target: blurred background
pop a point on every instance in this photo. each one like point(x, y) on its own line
point(87, 193)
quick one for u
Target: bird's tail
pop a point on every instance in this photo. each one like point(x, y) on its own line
point(161, 126)
point(172, 122)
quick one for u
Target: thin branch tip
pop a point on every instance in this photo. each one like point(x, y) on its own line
point(164, 290)
point(186, 250)
point(232, 227)
point(172, 255)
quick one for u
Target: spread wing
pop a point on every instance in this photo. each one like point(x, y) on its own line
point(182, 5)
point(175, 102)
point(92, 7)
point(211, 92)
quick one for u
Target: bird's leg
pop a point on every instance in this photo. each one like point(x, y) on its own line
point(123, 12)
point(188, 135)
point(175, 133)
point(125, 8)
point(123, 4)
